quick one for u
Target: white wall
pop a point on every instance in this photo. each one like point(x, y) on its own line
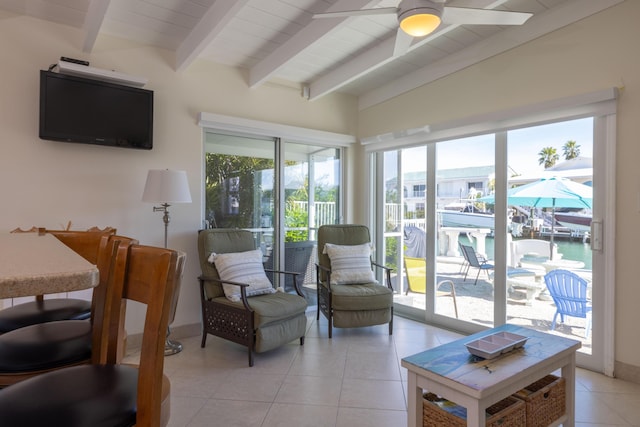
point(596, 53)
point(46, 183)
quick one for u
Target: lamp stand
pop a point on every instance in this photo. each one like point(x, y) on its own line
point(170, 346)
point(165, 218)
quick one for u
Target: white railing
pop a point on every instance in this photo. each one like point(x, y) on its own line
point(324, 212)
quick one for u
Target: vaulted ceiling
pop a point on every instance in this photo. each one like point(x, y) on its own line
point(279, 40)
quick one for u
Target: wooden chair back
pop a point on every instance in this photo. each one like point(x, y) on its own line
point(149, 276)
point(86, 243)
point(111, 263)
point(113, 255)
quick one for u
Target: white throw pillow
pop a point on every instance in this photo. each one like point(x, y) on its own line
point(350, 264)
point(242, 267)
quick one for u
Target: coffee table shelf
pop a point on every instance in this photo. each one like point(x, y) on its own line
point(452, 372)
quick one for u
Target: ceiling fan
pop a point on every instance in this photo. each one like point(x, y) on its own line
point(418, 18)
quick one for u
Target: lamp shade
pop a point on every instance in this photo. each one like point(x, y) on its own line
point(419, 17)
point(166, 186)
point(419, 24)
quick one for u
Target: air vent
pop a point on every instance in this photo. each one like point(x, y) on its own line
point(73, 69)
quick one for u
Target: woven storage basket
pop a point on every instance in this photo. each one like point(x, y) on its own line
point(439, 412)
point(544, 400)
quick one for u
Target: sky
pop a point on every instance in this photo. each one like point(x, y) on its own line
point(524, 146)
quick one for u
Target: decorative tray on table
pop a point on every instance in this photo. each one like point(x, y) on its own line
point(495, 344)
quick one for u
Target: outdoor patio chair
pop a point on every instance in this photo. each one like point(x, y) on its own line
point(569, 294)
point(239, 303)
point(464, 265)
point(348, 294)
point(416, 270)
point(476, 261)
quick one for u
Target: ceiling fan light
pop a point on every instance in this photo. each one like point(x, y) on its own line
point(418, 24)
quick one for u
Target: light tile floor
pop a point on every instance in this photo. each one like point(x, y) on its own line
point(354, 379)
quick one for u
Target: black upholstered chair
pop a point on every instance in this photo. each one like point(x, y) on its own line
point(33, 350)
point(106, 393)
point(260, 322)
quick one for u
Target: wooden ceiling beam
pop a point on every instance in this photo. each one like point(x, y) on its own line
point(93, 23)
point(209, 27)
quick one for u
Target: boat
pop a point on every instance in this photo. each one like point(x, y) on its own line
point(453, 218)
point(577, 221)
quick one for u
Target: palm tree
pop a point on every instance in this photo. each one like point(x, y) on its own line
point(548, 157)
point(571, 150)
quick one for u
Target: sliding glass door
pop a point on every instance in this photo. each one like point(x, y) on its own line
point(281, 191)
point(240, 186)
point(544, 238)
point(462, 262)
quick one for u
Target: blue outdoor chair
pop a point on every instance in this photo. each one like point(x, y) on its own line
point(473, 260)
point(569, 293)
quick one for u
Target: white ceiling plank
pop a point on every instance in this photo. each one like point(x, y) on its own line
point(359, 66)
point(70, 12)
point(364, 63)
point(141, 34)
point(93, 23)
point(309, 35)
point(278, 40)
point(214, 21)
point(537, 26)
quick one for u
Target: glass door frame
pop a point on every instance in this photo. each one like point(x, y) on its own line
point(281, 134)
point(599, 105)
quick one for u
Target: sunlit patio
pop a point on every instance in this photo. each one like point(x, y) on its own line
point(475, 304)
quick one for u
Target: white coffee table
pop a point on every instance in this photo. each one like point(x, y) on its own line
point(453, 373)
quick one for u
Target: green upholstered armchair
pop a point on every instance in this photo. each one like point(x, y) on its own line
point(351, 305)
point(260, 322)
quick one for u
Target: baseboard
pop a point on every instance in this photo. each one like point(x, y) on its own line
point(627, 372)
point(134, 341)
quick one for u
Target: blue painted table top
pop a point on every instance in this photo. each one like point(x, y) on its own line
point(454, 362)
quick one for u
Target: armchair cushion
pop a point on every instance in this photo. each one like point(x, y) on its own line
point(361, 297)
point(350, 264)
point(269, 309)
point(242, 267)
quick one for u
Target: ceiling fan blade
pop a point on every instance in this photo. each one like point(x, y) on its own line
point(403, 42)
point(358, 12)
point(465, 16)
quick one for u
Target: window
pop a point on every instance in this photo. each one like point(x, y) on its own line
point(280, 189)
point(499, 155)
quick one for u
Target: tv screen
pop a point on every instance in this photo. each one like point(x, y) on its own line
point(76, 109)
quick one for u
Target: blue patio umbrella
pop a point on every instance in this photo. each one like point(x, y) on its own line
point(553, 192)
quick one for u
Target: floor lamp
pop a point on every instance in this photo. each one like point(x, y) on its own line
point(166, 187)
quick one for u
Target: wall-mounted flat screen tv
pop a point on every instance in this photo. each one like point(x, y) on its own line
point(76, 109)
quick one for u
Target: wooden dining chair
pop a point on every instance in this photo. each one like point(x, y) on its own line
point(107, 393)
point(87, 244)
point(43, 347)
